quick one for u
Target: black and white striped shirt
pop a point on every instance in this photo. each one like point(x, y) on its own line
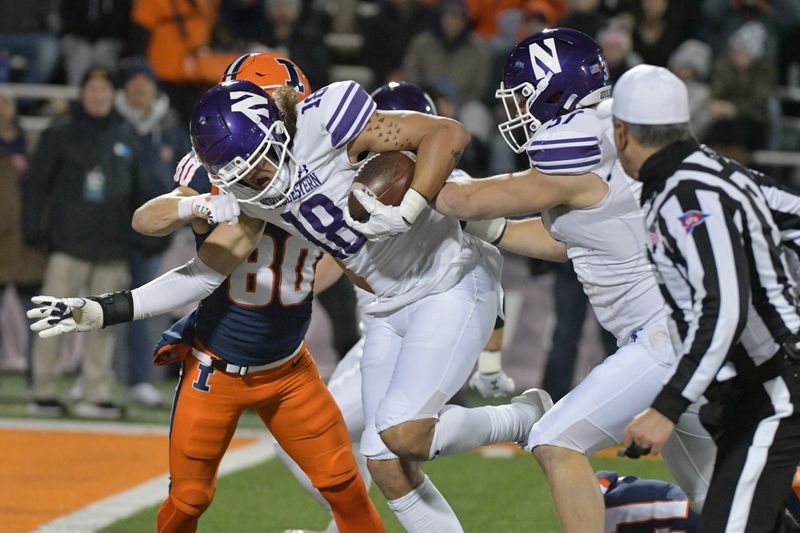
point(721, 269)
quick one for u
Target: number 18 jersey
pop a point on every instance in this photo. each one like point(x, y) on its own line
point(430, 258)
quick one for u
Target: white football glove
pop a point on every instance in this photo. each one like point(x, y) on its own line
point(215, 208)
point(490, 380)
point(384, 220)
point(64, 315)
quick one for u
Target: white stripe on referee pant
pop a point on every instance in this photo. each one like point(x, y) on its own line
point(757, 455)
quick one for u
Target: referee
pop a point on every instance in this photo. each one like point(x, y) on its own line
point(724, 276)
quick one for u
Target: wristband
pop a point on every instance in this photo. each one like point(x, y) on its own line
point(117, 307)
point(489, 362)
point(412, 205)
point(491, 230)
point(185, 208)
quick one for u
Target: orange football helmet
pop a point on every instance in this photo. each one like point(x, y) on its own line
point(269, 71)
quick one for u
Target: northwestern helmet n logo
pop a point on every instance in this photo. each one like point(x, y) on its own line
point(548, 58)
point(253, 106)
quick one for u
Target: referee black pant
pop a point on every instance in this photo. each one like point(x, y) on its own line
point(757, 432)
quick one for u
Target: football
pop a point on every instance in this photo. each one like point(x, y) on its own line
point(387, 175)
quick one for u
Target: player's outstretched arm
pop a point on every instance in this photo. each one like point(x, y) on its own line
point(531, 239)
point(159, 216)
point(519, 193)
point(164, 214)
point(223, 250)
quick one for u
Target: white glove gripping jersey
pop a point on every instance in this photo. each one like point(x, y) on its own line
point(606, 242)
point(430, 258)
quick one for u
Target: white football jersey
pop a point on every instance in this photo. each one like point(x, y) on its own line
point(606, 242)
point(430, 258)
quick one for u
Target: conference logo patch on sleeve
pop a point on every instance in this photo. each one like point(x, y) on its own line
point(691, 219)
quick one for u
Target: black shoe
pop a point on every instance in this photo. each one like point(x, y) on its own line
point(48, 407)
point(105, 410)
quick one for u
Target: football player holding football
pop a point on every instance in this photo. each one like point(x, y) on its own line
point(437, 290)
point(243, 348)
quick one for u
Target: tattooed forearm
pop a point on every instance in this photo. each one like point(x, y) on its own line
point(388, 132)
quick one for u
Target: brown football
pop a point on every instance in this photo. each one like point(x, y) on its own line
point(388, 175)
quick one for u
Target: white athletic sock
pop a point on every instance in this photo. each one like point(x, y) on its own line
point(424, 509)
point(460, 429)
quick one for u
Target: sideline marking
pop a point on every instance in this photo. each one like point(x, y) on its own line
point(107, 511)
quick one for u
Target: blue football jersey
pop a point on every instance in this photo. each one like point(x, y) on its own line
point(645, 505)
point(262, 311)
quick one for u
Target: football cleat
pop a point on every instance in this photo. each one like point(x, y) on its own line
point(538, 402)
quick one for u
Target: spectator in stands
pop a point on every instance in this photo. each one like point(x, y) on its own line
point(20, 265)
point(487, 15)
point(723, 17)
point(163, 141)
point(450, 53)
point(26, 31)
point(617, 44)
point(535, 16)
point(585, 16)
point(388, 34)
point(658, 32)
point(741, 87)
point(304, 43)
point(93, 33)
point(79, 194)
point(691, 62)
point(177, 35)
point(241, 23)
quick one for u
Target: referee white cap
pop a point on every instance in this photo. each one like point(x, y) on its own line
point(647, 94)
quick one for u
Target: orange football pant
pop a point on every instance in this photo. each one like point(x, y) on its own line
point(295, 405)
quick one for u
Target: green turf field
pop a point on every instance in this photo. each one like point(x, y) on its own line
point(502, 495)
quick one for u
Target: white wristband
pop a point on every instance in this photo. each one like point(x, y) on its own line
point(489, 362)
point(412, 205)
point(185, 208)
point(491, 230)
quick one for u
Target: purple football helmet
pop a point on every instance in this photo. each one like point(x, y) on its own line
point(546, 75)
point(235, 127)
point(403, 96)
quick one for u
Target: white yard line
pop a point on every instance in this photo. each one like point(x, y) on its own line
point(124, 504)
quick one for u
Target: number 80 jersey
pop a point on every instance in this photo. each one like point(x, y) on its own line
point(262, 311)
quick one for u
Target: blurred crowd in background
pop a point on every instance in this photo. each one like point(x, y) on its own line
point(76, 162)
